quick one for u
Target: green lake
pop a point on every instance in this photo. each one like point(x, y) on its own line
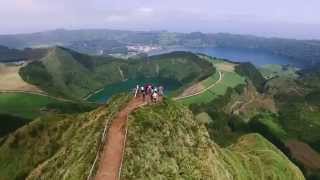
point(128, 86)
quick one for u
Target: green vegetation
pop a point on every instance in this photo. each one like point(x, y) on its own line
point(166, 142)
point(8, 55)
point(31, 106)
point(223, 127)
point(70, 74)
point(271, 123)
point(301, 123)
point(210, 80)
point(59, 146)
point(273, 70)
point(9, 123)
point(23, 105)
point(250, 71)
point(229, 79)
point(299, 108)
point(297, 118)
point(18, 109)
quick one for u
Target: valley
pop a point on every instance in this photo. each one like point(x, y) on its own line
point(54, 74)
point(159, 90)
point(216, 113)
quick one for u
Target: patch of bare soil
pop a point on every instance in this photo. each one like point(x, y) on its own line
point(304, 154)
point(198, 87)
point(227, 67)
point(10, 80)
point(198, 92)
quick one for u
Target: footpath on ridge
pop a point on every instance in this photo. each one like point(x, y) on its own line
point(112, 156)
point(110, 162)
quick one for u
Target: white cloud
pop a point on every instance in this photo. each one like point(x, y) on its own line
point(145, 10)
point(122, 16)
point(116, 18)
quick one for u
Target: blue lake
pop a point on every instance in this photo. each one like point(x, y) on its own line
point(257, 58)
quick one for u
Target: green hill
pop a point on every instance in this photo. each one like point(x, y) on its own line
point(66, 73)
point(292, 126)
point(30, 106)
point(59, 146)
point(164, 142)
point(18, 109)
point(252, 73)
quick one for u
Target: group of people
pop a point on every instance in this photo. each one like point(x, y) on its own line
point(149, 92)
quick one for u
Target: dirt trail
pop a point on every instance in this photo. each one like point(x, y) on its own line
point(113, 150)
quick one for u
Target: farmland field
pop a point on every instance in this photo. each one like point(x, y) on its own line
point(23, 105)
point(30, 106)
point(229, 79)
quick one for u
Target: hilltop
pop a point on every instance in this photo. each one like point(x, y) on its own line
point(164, 141)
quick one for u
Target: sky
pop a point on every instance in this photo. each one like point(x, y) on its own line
point(277, 18)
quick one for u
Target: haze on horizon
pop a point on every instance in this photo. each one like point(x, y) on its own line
point(272, 18)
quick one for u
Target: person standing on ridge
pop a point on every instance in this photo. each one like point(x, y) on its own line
point(161, 91)
point(143, 92)
point(154, 97)
point(136, 91)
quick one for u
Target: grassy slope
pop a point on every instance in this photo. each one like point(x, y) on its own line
point(273, 70)
point(30, 106)
point(63, 147)
point(299, 108)
point(297, 100)
point(9, 123)
point(23, 105)
point(165, 142)
point(249, 71)
point(229, 79)
point(67, 73)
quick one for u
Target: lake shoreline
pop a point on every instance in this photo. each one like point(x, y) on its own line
point(93, 93)
point(256, 57)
